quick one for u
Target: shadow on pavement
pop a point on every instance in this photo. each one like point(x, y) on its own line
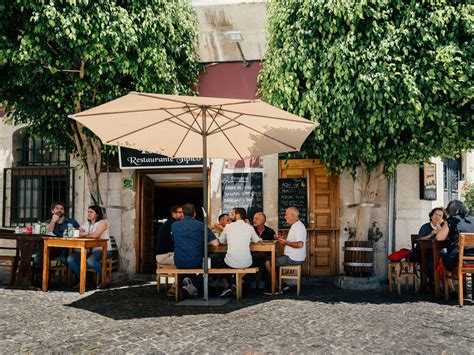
point(140, 300)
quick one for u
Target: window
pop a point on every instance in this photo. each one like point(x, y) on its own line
point(34, 152)
point(39, 178)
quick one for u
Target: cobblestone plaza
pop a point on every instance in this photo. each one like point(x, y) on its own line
point(132, 318)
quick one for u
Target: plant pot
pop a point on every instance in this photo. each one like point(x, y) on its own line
point(358, 258)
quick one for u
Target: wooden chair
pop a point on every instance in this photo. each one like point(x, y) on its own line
point(108, 271)
point(9, 257)
point(166, 276)
point(465, 266)
point(112, 263)
point(58, 267)
point(292, 272)
point(399, 270)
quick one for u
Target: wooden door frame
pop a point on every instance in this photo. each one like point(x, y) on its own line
point(139, 173)
point(317, 168)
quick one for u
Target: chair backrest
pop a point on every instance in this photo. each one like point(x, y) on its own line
point(466, 240)
point(115, 254)
point(8, 248)
point(413, 239)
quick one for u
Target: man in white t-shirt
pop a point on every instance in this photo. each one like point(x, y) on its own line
point(238, 236)
point(295, 245)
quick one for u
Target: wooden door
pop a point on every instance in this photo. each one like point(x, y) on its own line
point(145, 221)
point(323, 211)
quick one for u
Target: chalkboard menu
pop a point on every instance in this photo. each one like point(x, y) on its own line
point(242, 190)
point(292, 193)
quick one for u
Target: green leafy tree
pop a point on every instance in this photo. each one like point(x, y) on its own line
point(389, 81)
point(62, 57)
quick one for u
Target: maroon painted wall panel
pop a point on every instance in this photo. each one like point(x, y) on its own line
point(231, 80)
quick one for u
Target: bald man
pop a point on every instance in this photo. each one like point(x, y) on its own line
point(264, 232)
point(295, 245)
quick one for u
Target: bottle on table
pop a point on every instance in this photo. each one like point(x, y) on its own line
point(70, 230)
point(67, 231)
point(43, 228)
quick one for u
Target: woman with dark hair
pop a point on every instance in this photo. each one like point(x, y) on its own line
point(459, 221)
point(96, 227)
point(429, 230)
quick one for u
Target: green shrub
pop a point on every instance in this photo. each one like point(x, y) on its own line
point(468, 196)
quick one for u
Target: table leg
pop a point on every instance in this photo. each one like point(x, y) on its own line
point(424, 269)
point(82, 281)
point(45, 266)
point(104, 266)
point(25, 277)
point(436, 274)
point(273, 270)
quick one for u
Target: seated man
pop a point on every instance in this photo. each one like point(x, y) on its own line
point(224, 220)
point(263, 231)
point(266, 233)
point(163, 242)
point(57, 225)
point(295, 245)
point(238, 236)
point(188, 237)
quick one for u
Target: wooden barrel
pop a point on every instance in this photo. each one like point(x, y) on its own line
point(358, 258)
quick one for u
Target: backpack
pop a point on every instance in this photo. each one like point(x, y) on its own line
point(399, 255)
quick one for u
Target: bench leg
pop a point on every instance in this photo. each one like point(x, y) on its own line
point(158, 283)
point(238, 284)
point(177, 294)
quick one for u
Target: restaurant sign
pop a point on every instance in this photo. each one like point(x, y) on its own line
point(428, 181)
point(138, 159)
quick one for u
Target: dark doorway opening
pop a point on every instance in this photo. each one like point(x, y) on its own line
point(167, 196)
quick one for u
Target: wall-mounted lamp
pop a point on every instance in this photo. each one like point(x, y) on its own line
point(236, 36)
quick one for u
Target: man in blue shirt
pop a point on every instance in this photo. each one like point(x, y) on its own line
point(57, 225)
point(188, 237)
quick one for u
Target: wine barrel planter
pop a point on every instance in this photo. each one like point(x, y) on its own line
point(358, 258)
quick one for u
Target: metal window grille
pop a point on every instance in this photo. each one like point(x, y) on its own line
point(34, 152)
point(28, 193)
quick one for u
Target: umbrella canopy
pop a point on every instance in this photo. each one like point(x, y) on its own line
point(175, 125)
point(196, 127)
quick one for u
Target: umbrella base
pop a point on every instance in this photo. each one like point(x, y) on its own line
point(199, 302)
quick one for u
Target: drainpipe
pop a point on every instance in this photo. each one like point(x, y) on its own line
point(392, 182)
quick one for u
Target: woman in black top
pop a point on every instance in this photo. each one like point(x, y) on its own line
point(459, 221)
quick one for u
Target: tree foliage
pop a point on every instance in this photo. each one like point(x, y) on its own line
point(61, 57)
point(389, 81)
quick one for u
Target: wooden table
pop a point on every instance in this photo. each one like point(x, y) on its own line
point(26, 245)
point(434, 245)
point(265, 246)
point(79, 243)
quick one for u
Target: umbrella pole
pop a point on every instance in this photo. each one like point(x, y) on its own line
point(204, 187)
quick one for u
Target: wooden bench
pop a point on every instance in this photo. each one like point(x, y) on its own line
point(167, 270)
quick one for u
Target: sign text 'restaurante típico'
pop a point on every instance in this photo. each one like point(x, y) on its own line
point(137, 159)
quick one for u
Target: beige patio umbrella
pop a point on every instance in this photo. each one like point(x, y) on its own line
point(196, 127)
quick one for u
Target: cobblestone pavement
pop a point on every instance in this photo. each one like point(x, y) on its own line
point(132, 318)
